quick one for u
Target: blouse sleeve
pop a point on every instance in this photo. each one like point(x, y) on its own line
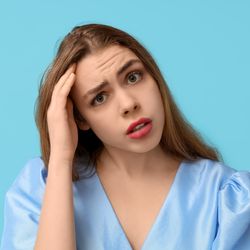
point(234, 213)
point(22, 207)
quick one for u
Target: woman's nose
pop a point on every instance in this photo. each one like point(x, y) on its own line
point(128, 103)
point(130, 109)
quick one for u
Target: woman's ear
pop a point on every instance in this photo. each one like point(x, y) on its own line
point(79, 119)
point(83, 125)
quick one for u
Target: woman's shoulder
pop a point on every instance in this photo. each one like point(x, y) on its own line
point(219, 172)
point(22, 205)
point(32, 176)
point(228, 191)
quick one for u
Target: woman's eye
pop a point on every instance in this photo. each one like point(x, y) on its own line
point(97, 99)
point(132, 77)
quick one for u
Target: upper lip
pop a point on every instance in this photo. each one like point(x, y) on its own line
point(134, 124)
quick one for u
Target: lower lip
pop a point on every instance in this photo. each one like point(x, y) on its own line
point(141, 132)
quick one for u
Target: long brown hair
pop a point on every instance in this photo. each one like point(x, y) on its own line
point(179, 138)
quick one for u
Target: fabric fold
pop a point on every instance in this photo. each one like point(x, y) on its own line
point(234, 213)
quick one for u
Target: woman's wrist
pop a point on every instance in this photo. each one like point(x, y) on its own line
point(58, 164)
point(59, 158)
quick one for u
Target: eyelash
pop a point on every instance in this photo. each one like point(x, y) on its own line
point(140, 73)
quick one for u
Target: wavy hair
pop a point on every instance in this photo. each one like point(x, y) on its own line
point(179, 138)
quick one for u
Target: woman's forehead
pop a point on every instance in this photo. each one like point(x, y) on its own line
point(110, 54)
point(110, 60)
point(98, 68)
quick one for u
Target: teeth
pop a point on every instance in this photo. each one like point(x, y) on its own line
point(138, 126)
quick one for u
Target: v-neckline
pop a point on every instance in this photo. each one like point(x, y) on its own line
point(164, 205)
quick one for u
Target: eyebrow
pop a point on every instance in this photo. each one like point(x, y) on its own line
point(119, 72)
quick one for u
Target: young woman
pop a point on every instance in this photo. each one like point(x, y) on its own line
point(120, 168)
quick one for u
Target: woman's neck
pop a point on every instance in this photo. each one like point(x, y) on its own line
point(134, 165)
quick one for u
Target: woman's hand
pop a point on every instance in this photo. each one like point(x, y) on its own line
point(56, 224)
point(62, 128)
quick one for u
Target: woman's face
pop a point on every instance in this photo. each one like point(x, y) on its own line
point(128, 95)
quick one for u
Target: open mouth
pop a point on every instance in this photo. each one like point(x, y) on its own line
point(140, 131)
point(138, 127)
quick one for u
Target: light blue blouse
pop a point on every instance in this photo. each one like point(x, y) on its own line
point(208, 207)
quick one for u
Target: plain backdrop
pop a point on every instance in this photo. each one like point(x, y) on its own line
point(201, 47)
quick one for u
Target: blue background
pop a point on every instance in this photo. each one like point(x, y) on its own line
point(201, 47)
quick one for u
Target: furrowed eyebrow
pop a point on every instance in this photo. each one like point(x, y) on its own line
point(119, 72)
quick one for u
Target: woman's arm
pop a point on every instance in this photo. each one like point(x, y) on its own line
point(56, 226)
point(56, 229)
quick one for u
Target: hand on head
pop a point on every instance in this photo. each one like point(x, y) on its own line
point(62, 127)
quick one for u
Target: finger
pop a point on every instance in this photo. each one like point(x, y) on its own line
point(63, 93)
point(65, 89)
point(65, 76)
point(63, 79)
